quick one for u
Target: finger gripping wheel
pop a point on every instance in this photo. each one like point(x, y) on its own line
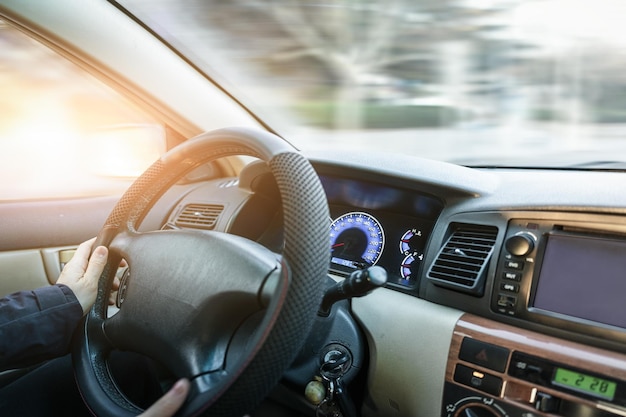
point(305, 212)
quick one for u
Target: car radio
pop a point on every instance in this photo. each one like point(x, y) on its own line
point(565, 378)
point(565, 275)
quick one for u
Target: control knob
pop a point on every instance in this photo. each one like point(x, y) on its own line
point(476, 411)
point(475, 407)
point(520, 245)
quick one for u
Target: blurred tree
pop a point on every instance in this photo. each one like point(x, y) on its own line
point(345, 62)
point(346, 52)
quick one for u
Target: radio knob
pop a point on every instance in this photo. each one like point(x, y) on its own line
point(520, 245)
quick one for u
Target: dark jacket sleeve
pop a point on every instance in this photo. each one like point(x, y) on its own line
point(37, 325)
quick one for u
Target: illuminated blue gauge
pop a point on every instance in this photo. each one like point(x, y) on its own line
point(411, 242)
point(356, 240)
point(409, 266)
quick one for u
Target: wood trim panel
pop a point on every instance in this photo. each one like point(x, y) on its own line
point(522, 393)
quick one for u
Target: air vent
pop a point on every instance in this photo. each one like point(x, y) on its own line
point(199, 216)
point(463, 260)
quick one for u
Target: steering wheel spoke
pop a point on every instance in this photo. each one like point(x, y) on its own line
point(204, 292)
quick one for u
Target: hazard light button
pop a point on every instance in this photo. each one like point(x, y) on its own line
point(484, 354)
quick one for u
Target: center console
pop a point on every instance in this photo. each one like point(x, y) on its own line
point(564, 275)
point(497, 370)
point(544, 329)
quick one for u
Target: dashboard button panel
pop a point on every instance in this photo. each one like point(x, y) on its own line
point(515, 267)
point(543, 375)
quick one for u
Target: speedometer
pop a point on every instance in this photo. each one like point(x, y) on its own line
point(356, 240)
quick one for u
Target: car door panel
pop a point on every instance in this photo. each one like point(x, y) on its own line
point(45, 224)
point(35, 234)
point(21, 270)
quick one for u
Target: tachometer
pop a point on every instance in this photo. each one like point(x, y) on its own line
point(356, 240)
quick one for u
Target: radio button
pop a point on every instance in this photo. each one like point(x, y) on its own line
point(513, 276)
point(509, 287)
point(517, 265)
point(530, 369)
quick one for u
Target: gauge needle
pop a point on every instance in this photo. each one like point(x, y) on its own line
point(336, 245)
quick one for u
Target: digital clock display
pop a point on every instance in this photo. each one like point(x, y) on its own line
point(586, 384)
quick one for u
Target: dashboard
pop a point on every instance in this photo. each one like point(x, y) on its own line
point(505, 287)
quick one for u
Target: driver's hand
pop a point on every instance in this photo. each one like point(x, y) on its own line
point(169, 403)
point(81, 273)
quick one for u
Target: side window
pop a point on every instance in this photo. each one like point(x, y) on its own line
point(63, 133)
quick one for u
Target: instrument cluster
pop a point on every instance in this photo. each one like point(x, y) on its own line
point(374, 224)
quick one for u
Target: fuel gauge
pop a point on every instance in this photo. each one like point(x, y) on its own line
point(409, 268)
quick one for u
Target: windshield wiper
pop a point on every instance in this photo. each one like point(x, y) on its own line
point(601, 165)
point(610, 166)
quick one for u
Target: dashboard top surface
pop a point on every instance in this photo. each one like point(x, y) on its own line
point(486, 188)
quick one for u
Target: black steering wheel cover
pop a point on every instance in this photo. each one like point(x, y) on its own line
point(306, 254)
point(306, 251)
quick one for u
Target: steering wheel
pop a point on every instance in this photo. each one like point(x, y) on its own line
point(218, 309)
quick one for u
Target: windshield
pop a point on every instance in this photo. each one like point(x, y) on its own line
point(478, 82)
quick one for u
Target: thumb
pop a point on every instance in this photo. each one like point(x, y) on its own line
point(97, 262)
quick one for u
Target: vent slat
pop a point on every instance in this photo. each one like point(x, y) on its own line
point(462, 260)
point(199, 216)
point(458, 265)
point(474, 257)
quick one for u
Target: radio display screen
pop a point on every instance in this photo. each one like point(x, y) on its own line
point(584, 383)
point(583, 276)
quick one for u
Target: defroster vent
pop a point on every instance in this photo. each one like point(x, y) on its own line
point(461, 263)
point(199, 216)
